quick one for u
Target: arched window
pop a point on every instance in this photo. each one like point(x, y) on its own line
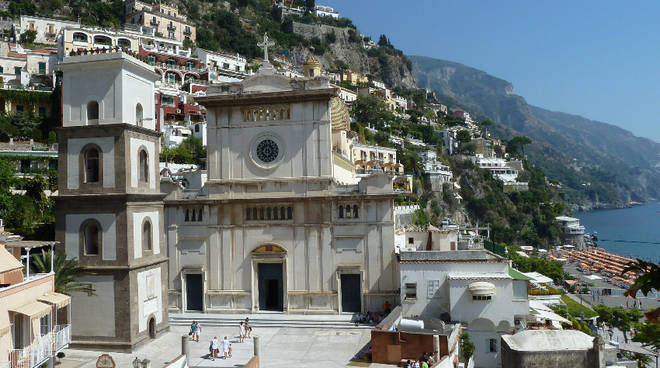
point(91, 162)
point(79, 37)
point(254, 213)
point(348, 211)
point(199, 215)
point(124, 43)
point(341, 211)
point(138, 115)
point(282, 213)
point(91, 237)
point(146, 235)
point(289, 213)
point(268, 213)
point(144, 166)
point(275, 211)
point(355, 211)
point(92, 113)
point(247, 214)
point(187, 217)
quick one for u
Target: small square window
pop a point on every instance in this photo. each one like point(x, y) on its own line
point(411, 240)
point(410, 291)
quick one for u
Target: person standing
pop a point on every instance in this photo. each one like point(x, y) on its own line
point(214, 347)
point(241, 332)
point(248, 328)
point(195, 329)
point(225, 347)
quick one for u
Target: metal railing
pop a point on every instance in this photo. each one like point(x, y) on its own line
point(33, 355)
point(62, 337)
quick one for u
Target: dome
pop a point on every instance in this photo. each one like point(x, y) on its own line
point(482, 288)
point(312, 61)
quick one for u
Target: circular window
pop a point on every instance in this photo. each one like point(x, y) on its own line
point(267, 150)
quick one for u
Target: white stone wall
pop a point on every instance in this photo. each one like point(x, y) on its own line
point(150, 298)
point(74, 147)
point(502, 306)
point(138, 218)
point(108, 237)
point(439, 302)
point(305, 144)
point(138, 90)
point(135, 145)
point(41, 26)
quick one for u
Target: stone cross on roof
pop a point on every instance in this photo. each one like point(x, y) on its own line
point(264, 45)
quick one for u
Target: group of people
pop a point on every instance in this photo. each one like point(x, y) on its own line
point(425, 361)
point(244, 331)
point(373, 317)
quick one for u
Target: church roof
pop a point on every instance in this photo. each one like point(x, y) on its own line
point(312, 61)
point(339, 114)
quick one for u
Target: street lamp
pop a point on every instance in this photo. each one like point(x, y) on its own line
point(137, 363)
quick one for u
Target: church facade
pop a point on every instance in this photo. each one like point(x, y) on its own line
point(274, 228)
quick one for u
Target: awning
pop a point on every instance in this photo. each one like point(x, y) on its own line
point(33, 309)
point(482, 288)
point(56, 299)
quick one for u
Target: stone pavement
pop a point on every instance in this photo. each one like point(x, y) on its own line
point(280, 347)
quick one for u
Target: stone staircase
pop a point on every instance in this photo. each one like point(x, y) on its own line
point(267, 320)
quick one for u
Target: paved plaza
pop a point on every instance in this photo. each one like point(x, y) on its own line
point(280, 347)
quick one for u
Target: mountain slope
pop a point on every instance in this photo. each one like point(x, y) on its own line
point(599, 164)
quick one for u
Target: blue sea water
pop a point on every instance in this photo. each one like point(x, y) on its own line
point(632, 232)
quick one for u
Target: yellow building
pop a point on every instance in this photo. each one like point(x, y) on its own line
point(74, 39)
point(312, 67)
point(34, 319)
point(353, 78)
point(163, 19)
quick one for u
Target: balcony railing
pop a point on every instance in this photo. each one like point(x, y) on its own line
point(187, 32)
point(33, 355)
point(62, 337)
point(171, 27)
point(154, 23)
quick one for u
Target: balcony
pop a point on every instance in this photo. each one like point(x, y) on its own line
point(61, 338)
point(171, 27)
point(33, 355)
point(154, 23)
point(187, 32)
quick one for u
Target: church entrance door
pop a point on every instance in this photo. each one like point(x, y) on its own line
point(194, 292)
point(351, 295)
point(271, 287)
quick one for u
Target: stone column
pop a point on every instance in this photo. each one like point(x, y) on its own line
point(184, 347)
point(255, 340)
point(436, 347)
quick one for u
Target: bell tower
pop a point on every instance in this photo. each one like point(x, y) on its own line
point(109, 210)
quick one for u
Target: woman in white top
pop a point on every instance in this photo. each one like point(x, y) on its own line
point(241, 332)
point(214, 347)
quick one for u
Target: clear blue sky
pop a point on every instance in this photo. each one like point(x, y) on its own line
point(598, 59)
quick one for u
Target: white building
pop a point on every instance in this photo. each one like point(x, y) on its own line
point(47, 29)
point(505, 170)
point(325, 11)
point(347, 95)
point(273, 229)
point(438, 172)
point(571, 231)
point(475, 287)
point(224, 67)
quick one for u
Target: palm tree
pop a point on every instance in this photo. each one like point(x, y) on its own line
point(67, 273)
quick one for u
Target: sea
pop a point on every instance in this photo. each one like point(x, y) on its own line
point(633, 232)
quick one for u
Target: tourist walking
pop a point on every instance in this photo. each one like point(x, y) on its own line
point(225, 347)
point(241, 332)
point(214, 347)
point(195, 329)
point(248, 328)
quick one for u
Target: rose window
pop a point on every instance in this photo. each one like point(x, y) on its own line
point(267, 150)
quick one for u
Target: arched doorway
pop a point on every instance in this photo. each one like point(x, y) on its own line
point(152, 327)
point(270, 272)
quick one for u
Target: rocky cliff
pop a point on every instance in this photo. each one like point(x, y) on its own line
point(392, 70)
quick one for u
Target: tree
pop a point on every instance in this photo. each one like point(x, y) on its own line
point(371, 109)
point(466, 347)
point(623, 320)
point(206, 40)
point(649, 279)
point(517, 144)
point(28, 37)
point(463, 136)
point(383, 41)
point(52, 138)
point(310, 4)
point(648, 334)
point(67, 273)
